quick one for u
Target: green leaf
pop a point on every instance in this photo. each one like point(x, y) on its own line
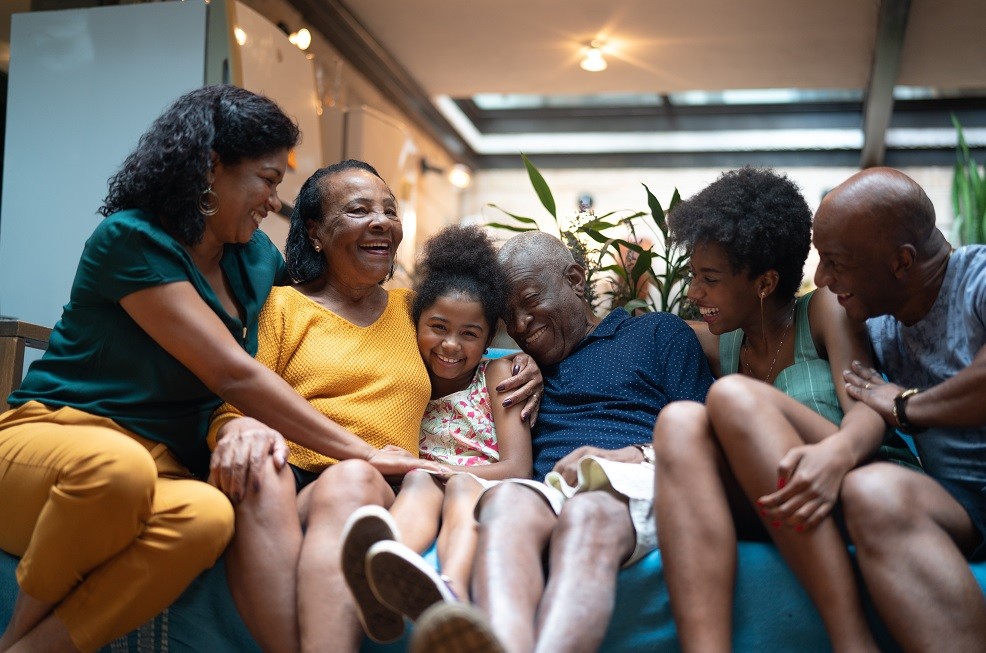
point(540, 186)
point(656, 211)
point(635, 304)
point(518, 218)
point(510, 227)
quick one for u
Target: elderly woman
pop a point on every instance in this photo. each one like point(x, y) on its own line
point(349, 347)
point(108, 430)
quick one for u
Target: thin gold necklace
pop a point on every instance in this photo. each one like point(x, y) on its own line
point(746, 347)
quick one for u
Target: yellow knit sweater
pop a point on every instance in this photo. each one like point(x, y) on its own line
point(371, 380)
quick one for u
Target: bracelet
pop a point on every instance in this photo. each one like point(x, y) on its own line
point(900, 413)
point(647, 451)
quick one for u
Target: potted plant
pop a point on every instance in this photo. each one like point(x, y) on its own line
point(968, 193)
point(623, 266)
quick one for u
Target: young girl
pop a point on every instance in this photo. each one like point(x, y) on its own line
point(461, 293)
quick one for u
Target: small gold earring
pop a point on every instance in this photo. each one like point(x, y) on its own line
point(315, 244)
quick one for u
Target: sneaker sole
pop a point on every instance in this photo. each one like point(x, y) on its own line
point(404, 581)
point(365, 528)
point(454, 628)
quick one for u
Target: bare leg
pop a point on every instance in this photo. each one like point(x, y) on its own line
point(594, 536)
point(326, 613)
point(508, 574)
point(28, 613)
point(457, 539)
point(417, 508)
point(756, 425)
point(695, 527)
point(50, 635)
point(262, 561)
point(910, 535)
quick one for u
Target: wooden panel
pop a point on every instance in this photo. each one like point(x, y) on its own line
point(14, 337)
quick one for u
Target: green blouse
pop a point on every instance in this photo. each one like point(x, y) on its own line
point(809, 379)
point(101, 362)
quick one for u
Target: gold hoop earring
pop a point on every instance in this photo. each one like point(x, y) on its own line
point(208, 202)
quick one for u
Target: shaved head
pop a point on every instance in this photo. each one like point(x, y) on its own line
point(886, 204)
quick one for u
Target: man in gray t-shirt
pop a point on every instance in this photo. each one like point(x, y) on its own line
point(925, 307)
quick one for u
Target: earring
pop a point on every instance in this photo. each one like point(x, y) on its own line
point(208, 202)
point(317, 246)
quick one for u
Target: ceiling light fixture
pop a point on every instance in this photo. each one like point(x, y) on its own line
point(302, 38)
point(592, 58)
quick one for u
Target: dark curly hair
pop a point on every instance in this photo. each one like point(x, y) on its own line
point(461, 260)
point(757, 216)
point(166, 173)
point(304, 263)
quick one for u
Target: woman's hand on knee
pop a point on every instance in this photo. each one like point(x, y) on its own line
point(243, 449)
point(808, 481)
point(393, 463)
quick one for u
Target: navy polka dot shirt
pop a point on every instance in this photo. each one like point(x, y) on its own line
point(608, 391)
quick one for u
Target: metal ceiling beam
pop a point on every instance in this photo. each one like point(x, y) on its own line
point(347, 35)
point(878, 103)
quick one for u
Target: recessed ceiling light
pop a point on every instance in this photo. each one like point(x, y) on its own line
point(593, 59)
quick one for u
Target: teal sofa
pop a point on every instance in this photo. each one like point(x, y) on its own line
point(771, 613)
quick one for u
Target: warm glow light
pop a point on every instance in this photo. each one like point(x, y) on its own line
point(593, 59)
point(460, 176)
point(302, 38)
point(240, 35)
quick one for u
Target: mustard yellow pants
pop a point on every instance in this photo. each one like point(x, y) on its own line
point(109, 526)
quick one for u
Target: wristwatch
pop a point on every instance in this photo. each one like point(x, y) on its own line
point(900, 411)
point(647, 450)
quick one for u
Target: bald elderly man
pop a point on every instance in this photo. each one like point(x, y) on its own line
point(925, 309)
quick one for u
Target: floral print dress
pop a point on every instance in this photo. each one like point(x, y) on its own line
point(457, 429)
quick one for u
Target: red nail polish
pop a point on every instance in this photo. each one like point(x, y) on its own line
point(776, 524)
point(780, 483)
point(763, 512)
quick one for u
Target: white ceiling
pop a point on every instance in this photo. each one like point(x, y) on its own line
point(462, 47)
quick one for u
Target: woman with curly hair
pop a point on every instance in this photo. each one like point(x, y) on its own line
point(104, 449)
point(767, 452)
point(347, 345)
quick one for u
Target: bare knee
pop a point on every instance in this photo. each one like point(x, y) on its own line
point(511, 506)
point(597, 522)
point(877, 506)
point(734, 396)
point(461, 487)
point(417, 480)
point(345, 486)
point(682, 435)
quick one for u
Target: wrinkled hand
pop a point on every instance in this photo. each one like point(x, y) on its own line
point(526, 383)
point(568, 466)
point(393, 463)
point(808, 481)
point(866, 385)
point(238, 461)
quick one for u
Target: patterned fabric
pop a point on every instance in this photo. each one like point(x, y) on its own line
point(370, 379)
point(935, 349)
point(457, 429)
point(608, 391)
point(101, 362)
point(808, 379)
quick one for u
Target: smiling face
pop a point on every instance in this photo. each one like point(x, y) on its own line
point(546, 314)
point(854, 261)
point(360, 231)
point(452, 337)
point(728, 300)
point(247, 191)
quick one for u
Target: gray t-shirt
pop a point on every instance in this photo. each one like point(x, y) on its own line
point(935, 349)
